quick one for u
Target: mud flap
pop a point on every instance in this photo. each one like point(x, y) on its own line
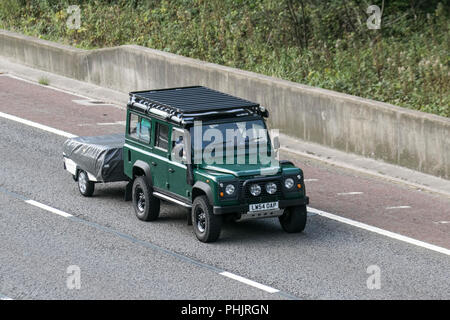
point(128, 191)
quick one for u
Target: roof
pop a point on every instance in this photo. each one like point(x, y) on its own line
point(186, 100)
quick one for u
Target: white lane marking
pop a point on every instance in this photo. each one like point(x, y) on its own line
point(37, 125)
point(348, 193)
point(3, 297)
point(90, 102)
point(50, 209)
point(381, 231)
point(122, 123)
point(441, 222)
point(309, 180)
point(319, 212)
point(398, 207)
point(249, 282)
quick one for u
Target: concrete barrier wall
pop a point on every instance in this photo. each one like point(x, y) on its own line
point(408, 138)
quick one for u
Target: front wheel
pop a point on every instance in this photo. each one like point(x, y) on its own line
point(294, 219)
point(85, 186)
point(207, 225)
point(146, 205)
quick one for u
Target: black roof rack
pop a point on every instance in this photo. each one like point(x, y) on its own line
point(186, 104)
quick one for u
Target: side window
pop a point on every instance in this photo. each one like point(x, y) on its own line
point(133, 130)
point(139, 128)
point(145, 130)
point(162, 136)
point(178, 153)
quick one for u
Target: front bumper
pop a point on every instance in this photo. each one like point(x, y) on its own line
point(243, 208)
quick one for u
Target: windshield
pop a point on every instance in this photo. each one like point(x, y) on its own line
point(216, 142)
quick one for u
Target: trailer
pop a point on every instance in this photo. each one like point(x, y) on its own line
point(94, 159)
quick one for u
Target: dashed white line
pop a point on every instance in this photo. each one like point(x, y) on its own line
point(442, 222)
point(398, 207)
point(309, 180)
point(381, 231)
point(50, 209)
point(349, 193)
point(36, 125)
point(249, 282)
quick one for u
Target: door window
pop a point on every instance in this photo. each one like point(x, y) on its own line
point(162, 136)
point(178, 153)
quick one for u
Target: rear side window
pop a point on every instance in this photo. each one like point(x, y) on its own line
point(133, 130)
point(139, 128)
point(162, 136)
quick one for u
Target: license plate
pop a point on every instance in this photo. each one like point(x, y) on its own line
point(263, 206)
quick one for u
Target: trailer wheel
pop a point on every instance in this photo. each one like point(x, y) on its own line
point(85, 186)
point(146, 206)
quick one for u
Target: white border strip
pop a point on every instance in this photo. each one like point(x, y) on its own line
point(381, 231)
point(37, 125)
point(50, 209)
point(249, 282)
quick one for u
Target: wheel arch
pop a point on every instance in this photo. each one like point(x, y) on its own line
point(141, 168)
point(202, 188)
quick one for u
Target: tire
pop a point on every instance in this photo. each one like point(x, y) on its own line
point(207, 225)
point(146, 206)
point(85, 186)
point(293, 219)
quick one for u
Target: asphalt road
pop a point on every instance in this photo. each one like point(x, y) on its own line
point(121, 257)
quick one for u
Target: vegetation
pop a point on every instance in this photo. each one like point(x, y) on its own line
point(43, 81)
point(320, 43)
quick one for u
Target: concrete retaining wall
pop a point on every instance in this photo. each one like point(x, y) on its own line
point(408, 138)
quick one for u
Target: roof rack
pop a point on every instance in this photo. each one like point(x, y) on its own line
point(184, 105)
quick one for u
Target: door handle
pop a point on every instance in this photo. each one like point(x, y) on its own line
point(154, 163)
point(171, 170)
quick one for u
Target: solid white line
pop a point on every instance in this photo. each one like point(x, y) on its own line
point(50, 209)
point(348, 193)
point(398, 207)
point(381, 231)
point(249, 282)
point(37, 125)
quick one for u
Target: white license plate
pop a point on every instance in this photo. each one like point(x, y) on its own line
point(263, 206)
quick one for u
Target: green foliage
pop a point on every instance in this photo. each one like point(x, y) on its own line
point(320, 43)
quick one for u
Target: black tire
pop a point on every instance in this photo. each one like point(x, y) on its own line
point(146, 206)
point(294, 219)
point(85, 186)
point(207, 225)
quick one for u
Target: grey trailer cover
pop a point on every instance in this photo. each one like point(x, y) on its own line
point(101, 156)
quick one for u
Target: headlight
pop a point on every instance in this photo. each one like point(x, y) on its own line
point(255, 190)
point(229, 189)
point(271, 188)
point(289, 183)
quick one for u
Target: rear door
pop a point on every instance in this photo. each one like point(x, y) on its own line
point(159, 162)
point(177, 165)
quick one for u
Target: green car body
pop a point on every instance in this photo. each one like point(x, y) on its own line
point(150, 153)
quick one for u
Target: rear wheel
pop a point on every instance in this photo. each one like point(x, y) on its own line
point(85, 186)
point(294, 219)
point(207, 225)
point(146, 206)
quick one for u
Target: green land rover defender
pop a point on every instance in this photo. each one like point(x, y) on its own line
point(204, 150)
point(164, 161)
